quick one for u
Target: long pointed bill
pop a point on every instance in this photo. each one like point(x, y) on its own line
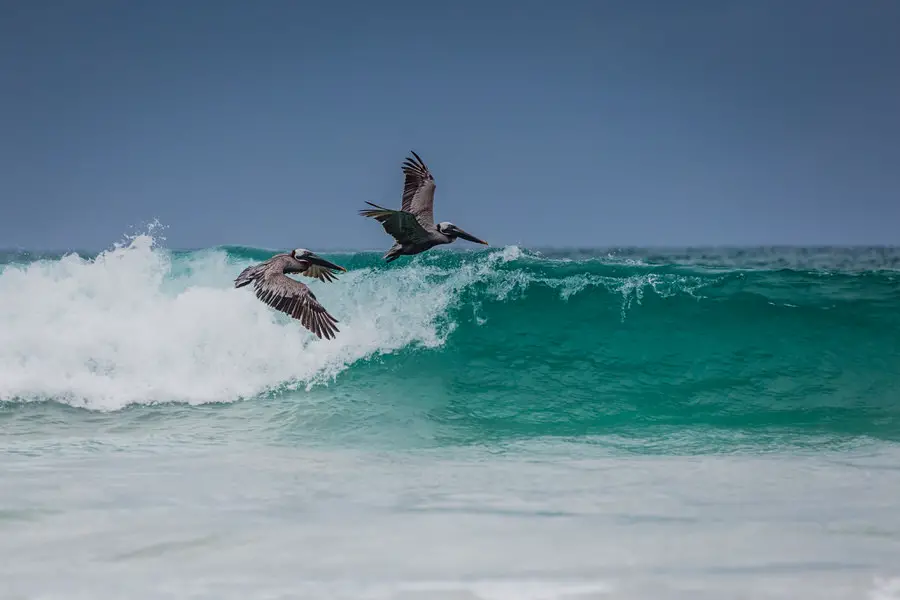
point(318, 260)
point(468, 236)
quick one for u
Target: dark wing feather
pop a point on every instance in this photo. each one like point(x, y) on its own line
point(296, 299)
point(402, 226)
point(321, 273)
point(418, 190)
point(249, 274)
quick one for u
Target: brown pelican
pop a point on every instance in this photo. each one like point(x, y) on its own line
point(279, 291)
point(413, 225)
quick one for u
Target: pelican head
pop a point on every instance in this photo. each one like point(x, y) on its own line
point(308, 257)
point(452, 231)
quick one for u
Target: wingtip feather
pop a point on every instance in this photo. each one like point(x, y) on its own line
point(418, 158)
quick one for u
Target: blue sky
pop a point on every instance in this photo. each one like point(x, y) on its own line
point(545, 123)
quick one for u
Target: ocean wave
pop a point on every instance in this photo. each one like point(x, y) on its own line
point(139, 324)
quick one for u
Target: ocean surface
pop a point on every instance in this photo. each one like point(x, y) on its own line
point(499, 424)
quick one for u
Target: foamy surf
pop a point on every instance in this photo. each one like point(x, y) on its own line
point(886, 589)
point(130, 327)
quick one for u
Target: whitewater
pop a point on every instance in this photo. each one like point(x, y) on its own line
point(130, 326)
point(501, 423)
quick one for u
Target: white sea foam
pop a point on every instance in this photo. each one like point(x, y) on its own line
point(552, 520)
point(888, 589)
point(132, 327)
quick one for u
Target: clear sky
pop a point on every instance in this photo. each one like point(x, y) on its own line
point(649, 122)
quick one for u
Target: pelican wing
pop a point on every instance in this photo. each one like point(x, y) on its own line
point(418, 190)
point(402, 226)
point(296, 299)
point(321, 273)
point(276, 264)
point(250, 274)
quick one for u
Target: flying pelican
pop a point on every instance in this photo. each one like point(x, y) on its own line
point(290, 296)
point(413, 225)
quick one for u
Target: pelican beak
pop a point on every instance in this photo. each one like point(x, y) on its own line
point(468, 236)
point(318, 260)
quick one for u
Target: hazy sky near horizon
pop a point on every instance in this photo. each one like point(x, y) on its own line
point(590, 123)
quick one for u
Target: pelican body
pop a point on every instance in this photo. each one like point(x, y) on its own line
point(275, 288)
point(413, 227)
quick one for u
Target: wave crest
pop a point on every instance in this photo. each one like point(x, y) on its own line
point(135, 325)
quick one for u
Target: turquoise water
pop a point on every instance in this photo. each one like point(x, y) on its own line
point(502, 423)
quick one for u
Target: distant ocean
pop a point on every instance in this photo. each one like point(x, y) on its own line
point(503, 423)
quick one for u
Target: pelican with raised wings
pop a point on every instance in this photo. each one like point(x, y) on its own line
point(412, 227)
point(275, 288)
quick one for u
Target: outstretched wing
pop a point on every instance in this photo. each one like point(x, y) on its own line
point(250, 274)
point(402, 226)
point(418, 190)
point(321, 273)
point(297, 300)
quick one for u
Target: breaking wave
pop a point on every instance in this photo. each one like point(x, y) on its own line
point(539, 337)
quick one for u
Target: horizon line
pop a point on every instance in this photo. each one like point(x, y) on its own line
point(538, 247)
